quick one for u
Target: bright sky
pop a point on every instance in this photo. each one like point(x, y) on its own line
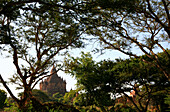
point(7, 68)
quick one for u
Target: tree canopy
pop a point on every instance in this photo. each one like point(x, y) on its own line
point(106, 80)
point(34, 32)
point(125, 25)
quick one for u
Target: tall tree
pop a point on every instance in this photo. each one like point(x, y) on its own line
point(92, 79)
point(107, 79)
point(34, 32)
point(125, 25)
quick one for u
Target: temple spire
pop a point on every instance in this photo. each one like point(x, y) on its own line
point(53, 70)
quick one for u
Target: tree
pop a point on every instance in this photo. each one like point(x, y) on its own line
point(69, 97)
point(167, 101)
point(40, 95)
point(92, 80)
point(57, 97)
point(125, 25)
point(3, 97)
point(34, 32)
point(103, 80)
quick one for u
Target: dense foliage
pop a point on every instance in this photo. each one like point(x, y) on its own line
point(102, 82)
point(34, 33)
point(3, 97)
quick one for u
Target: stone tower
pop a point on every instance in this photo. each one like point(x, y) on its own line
point(53, 84)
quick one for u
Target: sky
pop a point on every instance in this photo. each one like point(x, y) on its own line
point(7, 68)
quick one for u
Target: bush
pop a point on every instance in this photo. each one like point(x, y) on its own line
point(3, 97)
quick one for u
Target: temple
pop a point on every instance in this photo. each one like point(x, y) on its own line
point(53, 84)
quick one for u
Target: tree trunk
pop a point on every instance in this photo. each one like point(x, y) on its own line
point(25, 99)
point(22, 105)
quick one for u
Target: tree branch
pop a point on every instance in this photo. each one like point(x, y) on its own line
point(40, 79)
point(157, 19)
point(132, 102)
point(167, 12)
point(7, 88)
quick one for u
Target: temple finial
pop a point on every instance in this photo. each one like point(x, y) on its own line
point(53, 70)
